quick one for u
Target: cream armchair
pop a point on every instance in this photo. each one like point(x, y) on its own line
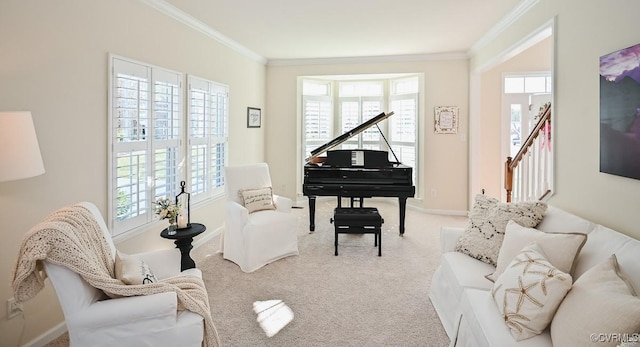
point(255, 239)
point(151, 320)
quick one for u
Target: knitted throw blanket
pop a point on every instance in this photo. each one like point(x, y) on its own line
point(72, 237)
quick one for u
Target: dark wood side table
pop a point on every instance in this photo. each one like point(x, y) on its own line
point(184, 238)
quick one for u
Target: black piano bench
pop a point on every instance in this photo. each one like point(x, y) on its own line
point(358, 220)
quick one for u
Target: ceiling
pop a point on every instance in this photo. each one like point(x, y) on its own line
point(312, 29)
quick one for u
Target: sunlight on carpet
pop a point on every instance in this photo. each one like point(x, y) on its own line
point(273, 315)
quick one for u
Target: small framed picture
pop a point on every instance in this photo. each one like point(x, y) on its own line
point(446, 119)
point(253, 117)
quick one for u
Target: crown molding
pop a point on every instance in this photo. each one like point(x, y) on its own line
point(190, 21)
point(515, 14)
point(370, 59)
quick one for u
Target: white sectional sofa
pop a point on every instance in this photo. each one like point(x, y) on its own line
point(462, 295)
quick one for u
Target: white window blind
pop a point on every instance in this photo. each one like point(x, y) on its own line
point(317, 114)
point(145, 118)
point(403, 128)
point(208, 137)
point(355, 111)
point(318, 122)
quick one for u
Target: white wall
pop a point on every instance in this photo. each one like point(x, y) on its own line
point(54, 63)
point(585, 31)
point(444, 156)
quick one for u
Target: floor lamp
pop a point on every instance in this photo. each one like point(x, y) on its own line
point(19, 151)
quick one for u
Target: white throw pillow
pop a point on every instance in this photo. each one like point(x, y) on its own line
point(487, 223)
point(561, 249)
point(257, 199)
point(529, 292)
point(600, 310)
point(132, 270)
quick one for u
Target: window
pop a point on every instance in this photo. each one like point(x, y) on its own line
point(208, 137)
point(147, 151)
point(318, 115)
point(404, 123)
point(528, 84)
point(357, 102)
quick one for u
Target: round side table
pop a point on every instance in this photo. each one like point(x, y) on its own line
point(184, 238)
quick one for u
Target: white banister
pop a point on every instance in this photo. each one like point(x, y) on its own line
point(528, 174)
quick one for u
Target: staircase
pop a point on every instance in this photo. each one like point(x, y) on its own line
point(528, 175)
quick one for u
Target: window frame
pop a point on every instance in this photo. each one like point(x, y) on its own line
point(215, 136)
point(324, 102)
point(149, 144)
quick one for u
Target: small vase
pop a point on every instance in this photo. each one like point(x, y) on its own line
point(173, 227)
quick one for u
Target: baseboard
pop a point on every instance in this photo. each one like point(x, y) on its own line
point(48, 336)
point(439, 212)
point(302, 203)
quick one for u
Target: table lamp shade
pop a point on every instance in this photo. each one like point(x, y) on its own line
point(19, 151)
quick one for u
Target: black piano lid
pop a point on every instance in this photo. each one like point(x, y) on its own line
point(349, 134)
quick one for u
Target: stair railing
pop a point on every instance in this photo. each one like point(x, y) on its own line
point(528, 174)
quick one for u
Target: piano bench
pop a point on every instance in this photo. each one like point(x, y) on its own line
point(358, 220)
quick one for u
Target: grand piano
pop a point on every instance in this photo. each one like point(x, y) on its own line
point(356, 173)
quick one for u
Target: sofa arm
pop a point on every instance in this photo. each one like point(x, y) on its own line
point(449, 237)
point(162, 308)
point(282, 204)
point(236, 219)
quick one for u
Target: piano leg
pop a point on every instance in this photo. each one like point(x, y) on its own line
point(312, 213)
point(403, 209)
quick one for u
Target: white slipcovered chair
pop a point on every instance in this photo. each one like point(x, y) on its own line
point(152, 320)
point(252, 240)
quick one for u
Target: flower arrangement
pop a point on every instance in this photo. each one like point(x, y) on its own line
point(165, 208)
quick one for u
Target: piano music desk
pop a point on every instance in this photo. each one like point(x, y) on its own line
point(358, 220)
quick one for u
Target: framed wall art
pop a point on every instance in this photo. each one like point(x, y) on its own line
point(254, 117)
point(446, 119)
point(620, 112)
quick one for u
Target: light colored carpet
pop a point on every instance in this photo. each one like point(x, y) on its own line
point(354, 299)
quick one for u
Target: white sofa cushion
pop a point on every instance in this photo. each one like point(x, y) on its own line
point(556, 220)
point(601, 301)
point(482, 325)
point(529, 292)
point(629, 263)
point(561, 249)
point(487, 222)
point(463, 271)
point(601, 243)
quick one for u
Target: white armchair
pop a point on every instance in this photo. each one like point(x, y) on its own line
point(255, 239)
point(152, 320)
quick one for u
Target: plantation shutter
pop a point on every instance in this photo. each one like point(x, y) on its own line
point(167, 130)
point(353, 112)
point(145, 127)
point(131, 109)
point(403, 128)
point(208, 137)
point(318, 122)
